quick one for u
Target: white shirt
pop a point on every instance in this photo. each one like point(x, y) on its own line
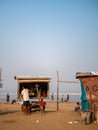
point(25, 94)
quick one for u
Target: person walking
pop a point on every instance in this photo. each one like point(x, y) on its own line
point(7, 97)
point(67, 98)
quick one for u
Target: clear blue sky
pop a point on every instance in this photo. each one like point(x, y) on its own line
point(37, 37)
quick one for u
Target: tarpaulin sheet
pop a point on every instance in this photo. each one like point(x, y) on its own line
point(89, 88)
point(85, 105)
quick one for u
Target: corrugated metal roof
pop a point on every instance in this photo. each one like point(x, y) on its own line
point(86, 74)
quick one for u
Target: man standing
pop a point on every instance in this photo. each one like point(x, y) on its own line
point(7, 97)
point(26, 103)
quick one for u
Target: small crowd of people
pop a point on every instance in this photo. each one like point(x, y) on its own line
point(62, 98)
point(26, 102)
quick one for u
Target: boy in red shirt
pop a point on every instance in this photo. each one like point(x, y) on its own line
point(42, 104)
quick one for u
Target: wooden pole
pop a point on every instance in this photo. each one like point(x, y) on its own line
point(0, 78)
point(68, 81)
point(0, 74)
point(58, 81)
point(57, 91)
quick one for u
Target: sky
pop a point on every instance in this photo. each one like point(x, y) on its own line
point(39, 37)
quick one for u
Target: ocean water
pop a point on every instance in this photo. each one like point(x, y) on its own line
point(73, 97)
point(3, 96)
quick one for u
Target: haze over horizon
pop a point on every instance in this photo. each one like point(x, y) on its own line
point(39, 37)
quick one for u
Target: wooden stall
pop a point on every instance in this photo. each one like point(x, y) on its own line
point(38, 86)
point(89, 96)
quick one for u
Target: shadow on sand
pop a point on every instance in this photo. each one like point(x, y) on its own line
point(2, 112)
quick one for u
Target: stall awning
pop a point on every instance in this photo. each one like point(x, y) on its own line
point(86, 74)
point(33, 78)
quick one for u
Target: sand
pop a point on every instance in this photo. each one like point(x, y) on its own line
point(12, 118)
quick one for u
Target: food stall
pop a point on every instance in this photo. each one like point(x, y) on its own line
point(38, 87)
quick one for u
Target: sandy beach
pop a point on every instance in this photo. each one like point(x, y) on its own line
point(12, 118)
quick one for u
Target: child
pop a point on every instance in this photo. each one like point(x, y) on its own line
point(42, 104)
point(77, 107)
